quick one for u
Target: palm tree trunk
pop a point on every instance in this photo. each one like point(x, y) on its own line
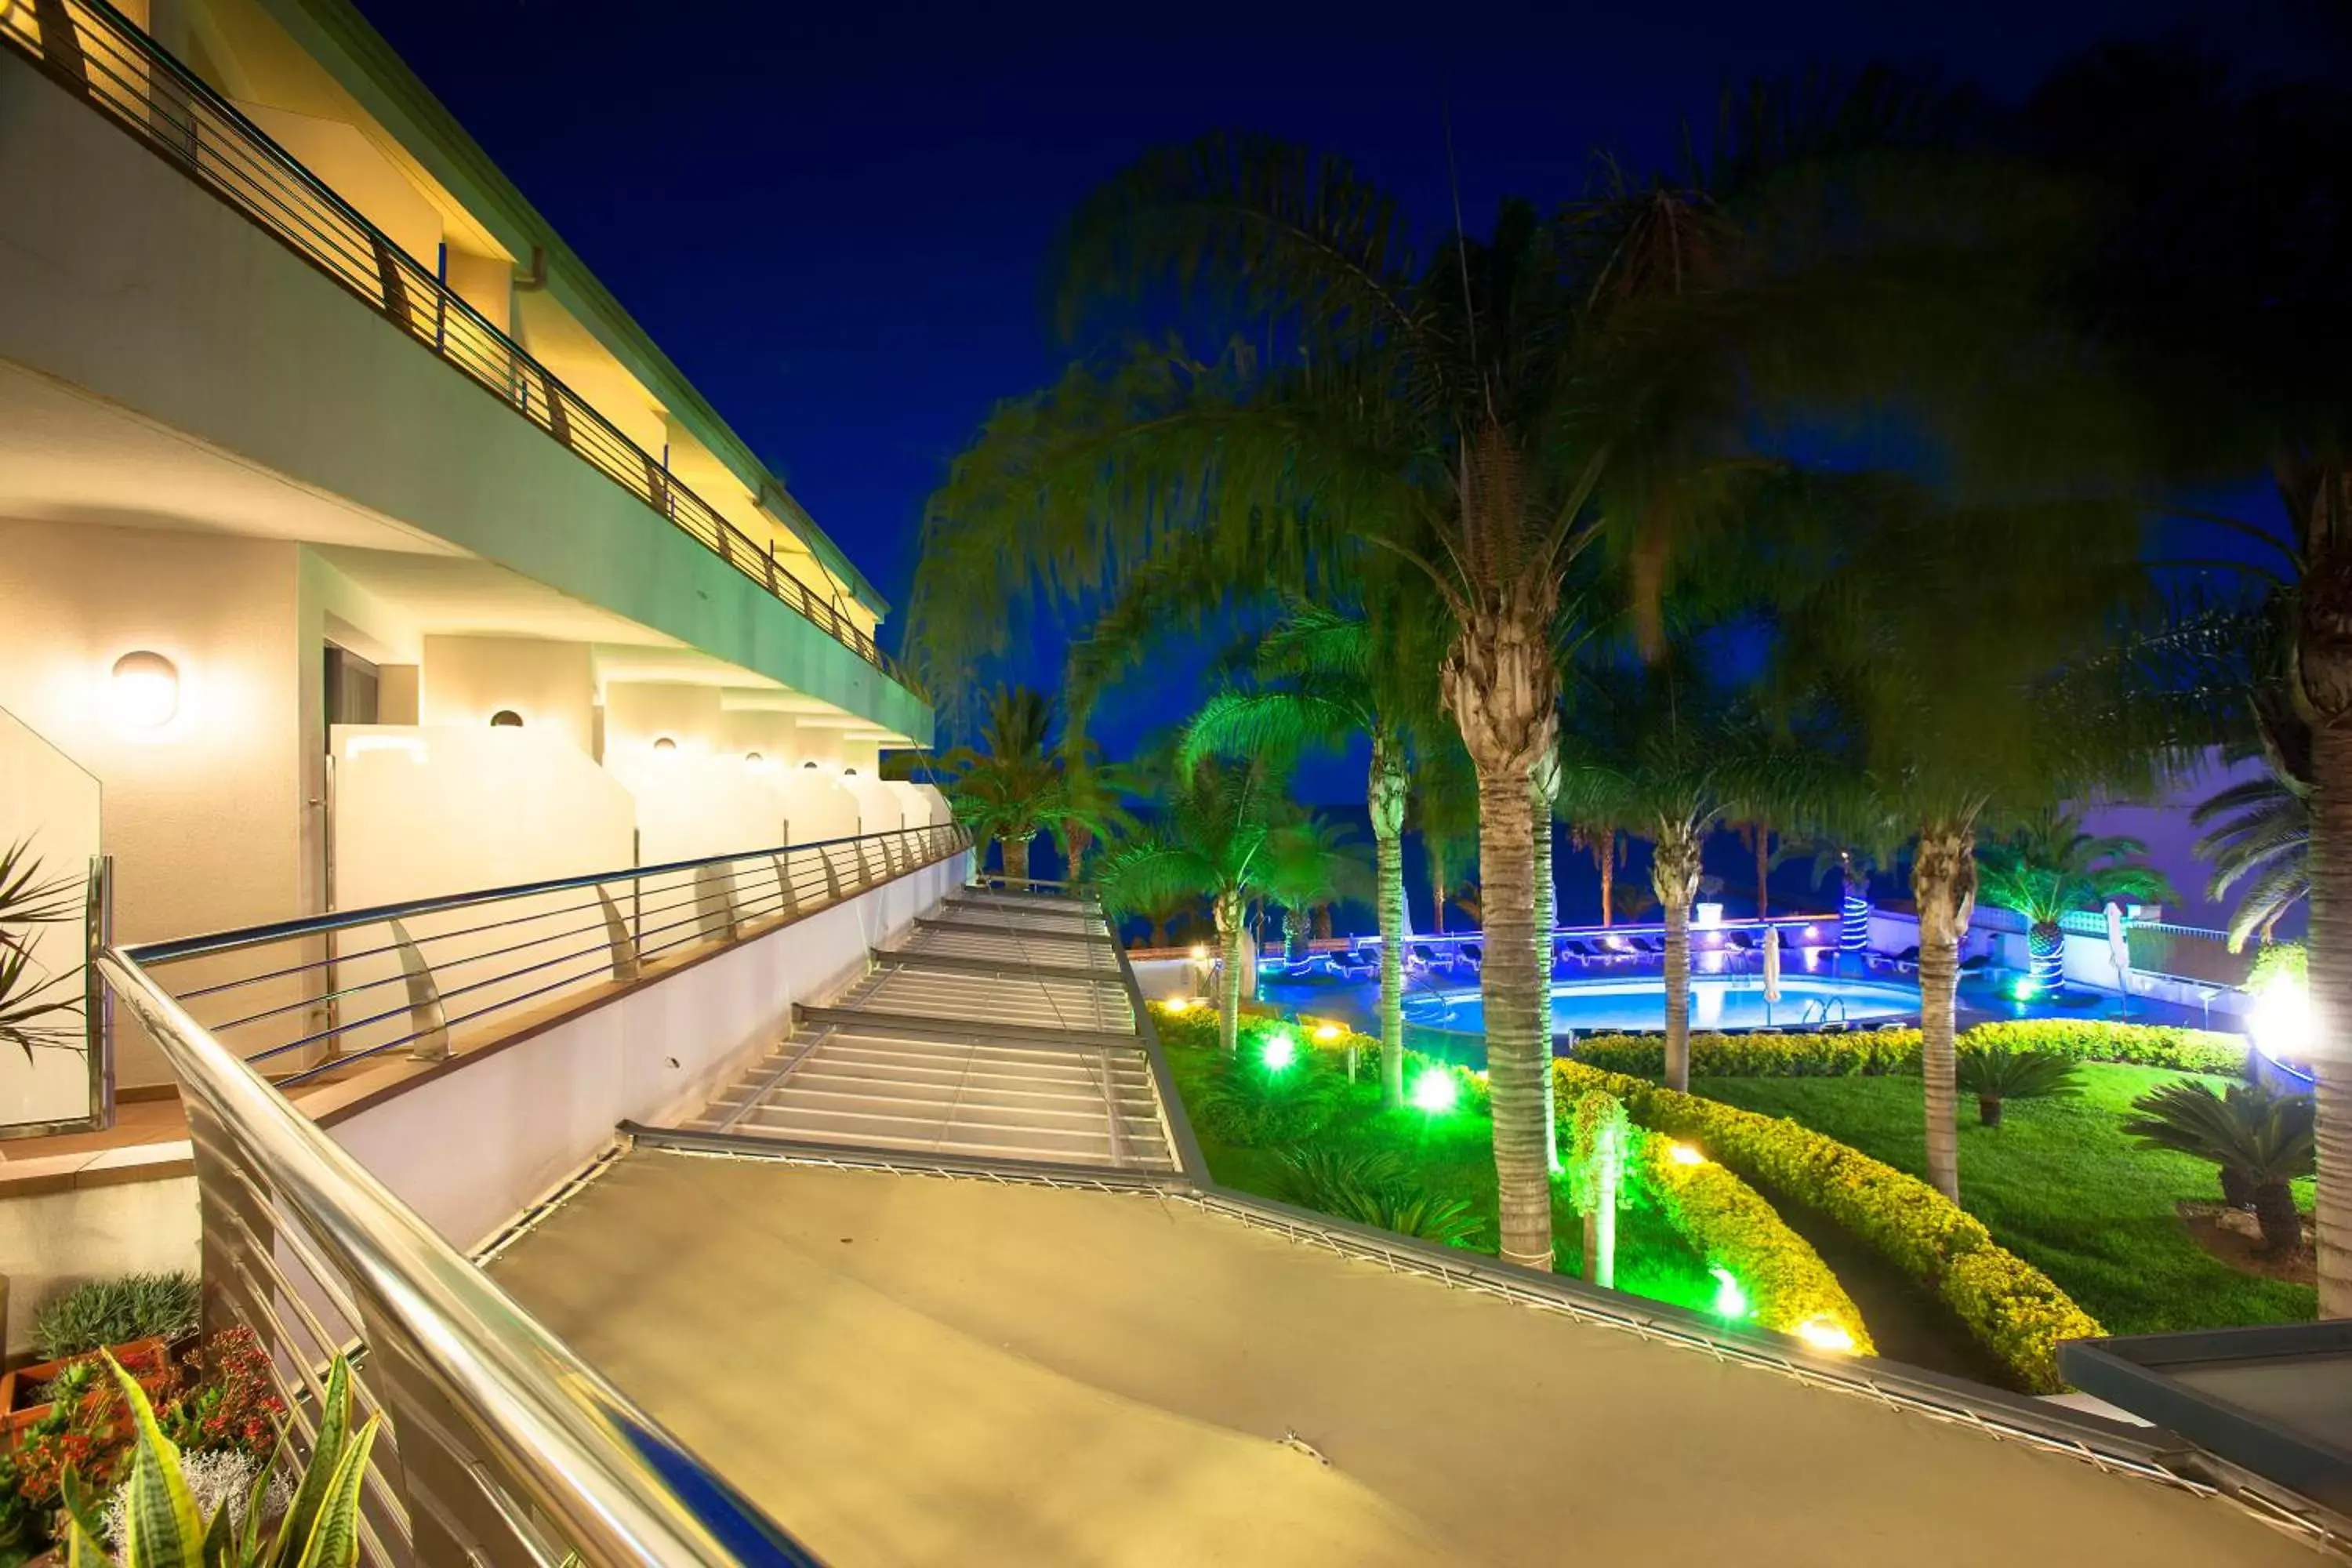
point(1232, 931)
point(1158, 937)
point(1519, 1034)
point(1016, 862)
point(1763, 870)
point(2320, 499)
point(1606, 857)
point(1674, 877)
point(1543, 785)
point(1384, 792)
point(1294, 934)
point(2330, 958)
point(1436, 893)
point(1943, 886)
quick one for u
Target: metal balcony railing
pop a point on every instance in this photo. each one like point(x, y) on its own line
point(501, 1449)
point(106, 61)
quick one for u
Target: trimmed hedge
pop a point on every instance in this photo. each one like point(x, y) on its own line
point(1733, 1229)
point(2012, 1307)
point(1868, 1052)
point(2097, 1040)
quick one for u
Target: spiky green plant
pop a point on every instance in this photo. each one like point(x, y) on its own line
point(161, 1527)
point(115, 1311)
point(34, 1008)
point(1372, 1186)
point(2048, 867)
point(2261, 1142)
point(1996, 1075)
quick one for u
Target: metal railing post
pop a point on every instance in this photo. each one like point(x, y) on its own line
point(97, 1003)
point(431, 1029)
point(616, 933)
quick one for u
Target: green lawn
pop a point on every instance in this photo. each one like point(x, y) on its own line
point(2059, 1184)
point(1453, 1156)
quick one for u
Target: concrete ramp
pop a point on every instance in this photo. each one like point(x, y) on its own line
point(915, 1369)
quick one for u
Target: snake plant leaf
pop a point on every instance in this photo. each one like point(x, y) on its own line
point(334, 1431)
point(334, 1538)
point(161, 1527)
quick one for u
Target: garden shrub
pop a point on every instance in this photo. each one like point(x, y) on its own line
point(1866, 1052)
point(1731, 1227)
point(2012, 1307)
point(2097, 1040)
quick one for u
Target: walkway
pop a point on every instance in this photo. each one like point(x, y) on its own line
point(919, 1369)
point(1000, 1028)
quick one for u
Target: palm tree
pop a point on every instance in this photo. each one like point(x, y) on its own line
point(1758, 836)
point(2047, 868)
point(1854, 862)
point(1970, 655)
point(1007, 790)
point(1659, 747)
point(1323, 677)
point(2261, 1141)
point(1210, 842)
point(1310, 864)
point(1461, 412)
point(2219, 296)
point(2259, 833)
point(1606, 843)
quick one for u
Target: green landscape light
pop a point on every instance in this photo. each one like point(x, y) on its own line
point(1730, 1300)
point(1279, 1052)
point(1435, 1092)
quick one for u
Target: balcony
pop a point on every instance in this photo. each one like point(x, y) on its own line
point(109, 65)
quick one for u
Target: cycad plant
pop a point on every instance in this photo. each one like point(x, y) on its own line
point(162, 1529)
point(1996, 1075)
point(2260, 1141)
point(1372, 1186)
point(2048, 867)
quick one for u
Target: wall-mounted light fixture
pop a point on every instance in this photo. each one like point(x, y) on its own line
point(756, 762)
point(506, 718)
point(145, 691)
point(664, 746)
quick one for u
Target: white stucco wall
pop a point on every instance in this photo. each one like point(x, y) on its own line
point(551, 686)
point(206, 815)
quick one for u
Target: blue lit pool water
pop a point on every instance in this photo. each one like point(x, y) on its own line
point(1638, 1003)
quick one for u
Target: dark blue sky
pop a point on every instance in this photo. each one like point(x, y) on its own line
point(832, 216)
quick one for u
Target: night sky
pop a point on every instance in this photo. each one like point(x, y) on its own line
point(831, 216)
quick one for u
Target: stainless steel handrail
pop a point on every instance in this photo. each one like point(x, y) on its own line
point(499, 1400)
point(112, 64)
point(502, 1447)
point(431, 976)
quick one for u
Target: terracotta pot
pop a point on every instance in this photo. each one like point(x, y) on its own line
point(148, 1360)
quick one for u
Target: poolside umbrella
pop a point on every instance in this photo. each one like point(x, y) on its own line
point(2119, 948)
point(1771, 963)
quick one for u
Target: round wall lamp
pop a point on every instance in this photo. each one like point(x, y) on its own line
point(145, 689)
point(755, 761)
point(506, 718)
point(665, 745)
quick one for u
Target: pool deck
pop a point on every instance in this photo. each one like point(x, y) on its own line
point(913, 1369)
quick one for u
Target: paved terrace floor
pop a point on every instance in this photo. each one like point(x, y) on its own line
point(919, 1370)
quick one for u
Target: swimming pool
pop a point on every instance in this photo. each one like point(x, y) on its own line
point(1639, 1003)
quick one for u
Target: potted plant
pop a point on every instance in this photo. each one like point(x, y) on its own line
point(135, 1318)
